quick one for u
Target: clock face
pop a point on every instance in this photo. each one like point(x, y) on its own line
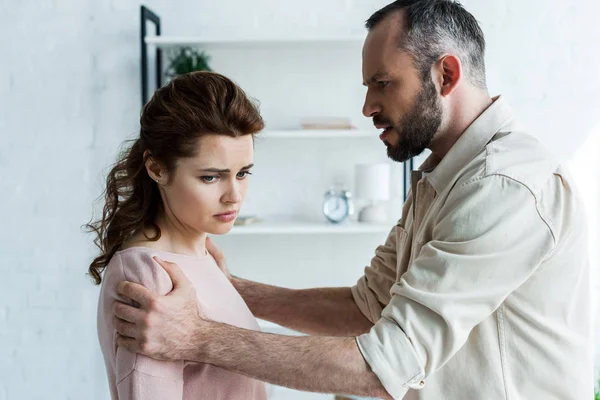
point(336, 208)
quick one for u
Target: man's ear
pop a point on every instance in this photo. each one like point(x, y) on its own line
point(448, 73)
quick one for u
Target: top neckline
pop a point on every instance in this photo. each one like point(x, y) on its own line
point(169, 253)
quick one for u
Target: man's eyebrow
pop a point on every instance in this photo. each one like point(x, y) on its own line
point(376, 77)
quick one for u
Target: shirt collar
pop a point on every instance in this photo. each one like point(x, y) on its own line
point(497, 117)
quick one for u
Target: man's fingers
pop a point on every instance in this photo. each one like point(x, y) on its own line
point(177, 276)
point(218, 256)
point(128, 343)
point(125, 328)
point(135, 292)
point(214, 251)
point(127, 313)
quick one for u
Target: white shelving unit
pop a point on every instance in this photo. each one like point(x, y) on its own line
point(291, 227)
point(170, 41)
point(277, 226)
point(318, 134)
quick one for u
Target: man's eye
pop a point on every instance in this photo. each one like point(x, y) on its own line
point(383, 84)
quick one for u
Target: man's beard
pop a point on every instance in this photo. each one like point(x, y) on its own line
point(417, 129)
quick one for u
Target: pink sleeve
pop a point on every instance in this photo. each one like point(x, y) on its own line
point(139, 386)
point(140, 377)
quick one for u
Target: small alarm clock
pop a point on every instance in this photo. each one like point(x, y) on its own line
point(337, 205)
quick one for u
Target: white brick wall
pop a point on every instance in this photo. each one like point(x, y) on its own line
point(69, 85)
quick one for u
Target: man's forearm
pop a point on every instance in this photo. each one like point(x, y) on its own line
point(326, 311)
point(309, 363)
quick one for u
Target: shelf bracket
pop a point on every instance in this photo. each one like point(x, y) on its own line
point(149, 16)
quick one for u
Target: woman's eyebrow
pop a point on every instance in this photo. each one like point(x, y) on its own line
point(223, 171)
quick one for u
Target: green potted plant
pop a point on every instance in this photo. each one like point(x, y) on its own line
point(183, 60)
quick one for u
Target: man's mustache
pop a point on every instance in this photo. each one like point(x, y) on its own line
point(381, 121)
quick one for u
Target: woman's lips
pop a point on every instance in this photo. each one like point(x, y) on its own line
point(226, 217)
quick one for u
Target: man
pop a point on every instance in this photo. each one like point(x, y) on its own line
point(480, 292)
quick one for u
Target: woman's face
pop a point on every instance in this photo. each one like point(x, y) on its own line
point(205, 192)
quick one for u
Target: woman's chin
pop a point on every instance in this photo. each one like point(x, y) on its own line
point(220, 229)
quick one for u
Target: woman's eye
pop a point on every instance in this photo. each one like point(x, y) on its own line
point(243, 174)
point(208, 178)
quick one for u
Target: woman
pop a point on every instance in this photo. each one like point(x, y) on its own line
point(184, 177)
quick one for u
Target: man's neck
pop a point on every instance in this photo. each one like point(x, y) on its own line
point(463, 114)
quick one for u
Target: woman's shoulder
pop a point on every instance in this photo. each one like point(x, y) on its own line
point(137, 265)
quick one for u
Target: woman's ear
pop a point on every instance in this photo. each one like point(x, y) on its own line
point(155, 170)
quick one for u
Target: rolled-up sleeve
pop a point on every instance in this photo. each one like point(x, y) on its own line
point(488, 239)
point(372, 291)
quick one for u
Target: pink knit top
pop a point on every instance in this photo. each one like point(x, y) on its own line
point(136, 377)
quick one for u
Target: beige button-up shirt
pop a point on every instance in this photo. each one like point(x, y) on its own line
point(482, 290)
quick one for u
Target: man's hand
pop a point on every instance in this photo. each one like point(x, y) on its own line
point(163, 327)
point(219, 257)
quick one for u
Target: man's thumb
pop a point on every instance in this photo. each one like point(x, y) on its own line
point(175, 273)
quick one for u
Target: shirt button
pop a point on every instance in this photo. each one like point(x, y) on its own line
point(422, 383)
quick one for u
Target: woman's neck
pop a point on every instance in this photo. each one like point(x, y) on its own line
point(174, 238)
point(180, 238)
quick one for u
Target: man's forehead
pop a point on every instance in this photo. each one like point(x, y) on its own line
point(384, 38)
point(379, 62)
point(389, 30)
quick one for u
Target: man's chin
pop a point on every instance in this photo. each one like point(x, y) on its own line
point(401, 153)
point(394, 155)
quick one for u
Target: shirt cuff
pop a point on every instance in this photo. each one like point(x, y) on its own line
point(392, 358)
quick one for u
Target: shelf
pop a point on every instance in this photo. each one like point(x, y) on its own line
point(167, 41)
point(308, 228)
point(318, 134)
point(270, 327)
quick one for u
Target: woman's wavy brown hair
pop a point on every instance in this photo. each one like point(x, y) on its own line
point(178, 114)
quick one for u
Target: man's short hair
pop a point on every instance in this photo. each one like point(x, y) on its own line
point(434, 28)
